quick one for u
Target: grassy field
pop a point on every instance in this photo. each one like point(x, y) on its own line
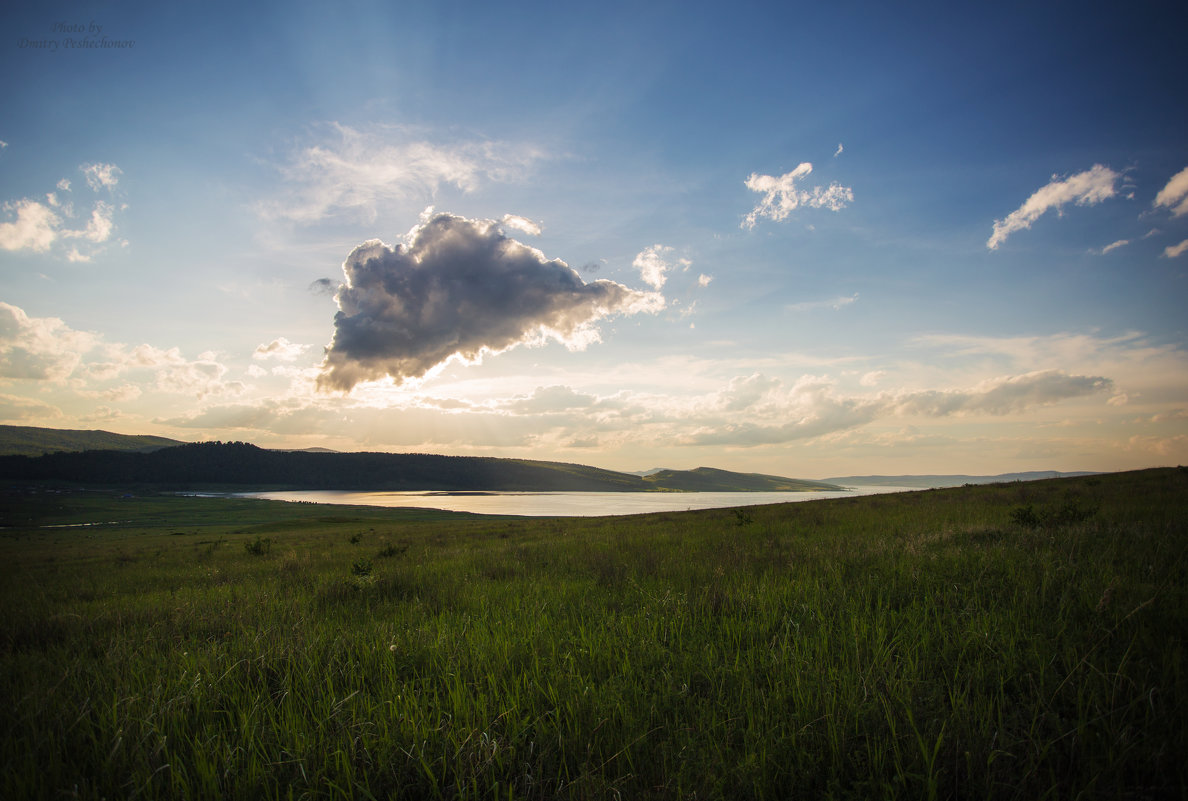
point(1018, 641)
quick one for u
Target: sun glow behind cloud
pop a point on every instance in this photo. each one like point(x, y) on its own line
point(458, 289)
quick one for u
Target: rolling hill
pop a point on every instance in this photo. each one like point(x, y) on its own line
point(33, 441)
point(709, 479)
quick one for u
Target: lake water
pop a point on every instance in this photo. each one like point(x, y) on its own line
point(561, 504)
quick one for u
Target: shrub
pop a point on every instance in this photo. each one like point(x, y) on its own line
point(258, 546)
point(1025, 516)
point(390, 550)
point(1069, 513)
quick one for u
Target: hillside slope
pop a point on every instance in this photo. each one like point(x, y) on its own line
point(937, 481)
point(34, 441)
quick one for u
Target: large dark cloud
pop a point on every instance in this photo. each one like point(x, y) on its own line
point(458, 287)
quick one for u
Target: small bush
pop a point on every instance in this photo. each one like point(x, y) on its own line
point(361, 568)
point(258, 546)
point(1071, 512)
point(389, 550)
point(1025, 516)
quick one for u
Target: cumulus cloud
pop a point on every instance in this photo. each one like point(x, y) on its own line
point(39, 348)
point(174, 373)
point(280, 349)
point(810, 408)
point(37, 226)
point(354, 172)
point(1174, 196)
point(457, 288)
point(703, 280)
point(1171, 251)
point(1084, 189)
point(745, 392)
point(47, 350)
point(781, 195)
point(653, 262)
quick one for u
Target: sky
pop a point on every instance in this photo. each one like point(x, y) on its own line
point(806, 239)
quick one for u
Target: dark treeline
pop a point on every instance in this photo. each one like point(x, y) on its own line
point(242, 464)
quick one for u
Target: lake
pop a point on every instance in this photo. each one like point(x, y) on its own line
point(561, 504)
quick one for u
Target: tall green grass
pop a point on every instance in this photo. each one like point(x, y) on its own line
point(937, 644)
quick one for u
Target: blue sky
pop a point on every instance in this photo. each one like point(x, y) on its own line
point(806, 239)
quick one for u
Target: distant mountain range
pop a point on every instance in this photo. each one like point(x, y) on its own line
point(929, 482)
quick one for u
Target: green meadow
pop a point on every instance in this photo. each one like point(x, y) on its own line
point(1008, 641)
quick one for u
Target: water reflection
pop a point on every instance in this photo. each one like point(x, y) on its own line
point(561, 504)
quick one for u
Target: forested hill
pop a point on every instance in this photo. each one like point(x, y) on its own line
point(238, 464)
point(709, 479)
point(33, 441)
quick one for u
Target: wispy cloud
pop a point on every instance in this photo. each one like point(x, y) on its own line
point(101, 176)
point(323, 286)
point(1172, 251)
point(1004, 395)
point(654, 262)
point(522, 224)
point(782, 196)
point(836, 304)
point(16, 409)
point(768, 413)
point(458, 288)
point(1174, 196)
point(1085, 188)
point(1115, 245)
point(353, 172)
